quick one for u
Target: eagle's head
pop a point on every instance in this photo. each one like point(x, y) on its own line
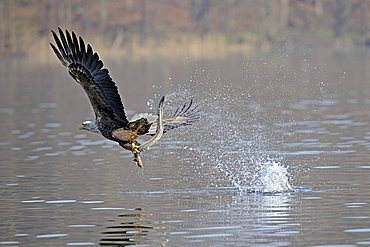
point(90, 126)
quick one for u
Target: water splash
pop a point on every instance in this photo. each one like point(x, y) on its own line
point(272, 177)
point(259, 172)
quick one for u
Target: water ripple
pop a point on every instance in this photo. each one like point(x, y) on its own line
point(52, 235)
point(216, 235)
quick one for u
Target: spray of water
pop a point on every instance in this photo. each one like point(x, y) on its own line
point(238, 142)
point(233, 139)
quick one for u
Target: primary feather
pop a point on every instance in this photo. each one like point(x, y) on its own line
point(87, 69)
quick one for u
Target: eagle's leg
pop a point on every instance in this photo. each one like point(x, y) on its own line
point(135, 148)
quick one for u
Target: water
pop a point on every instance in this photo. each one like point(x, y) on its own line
point(280, 156)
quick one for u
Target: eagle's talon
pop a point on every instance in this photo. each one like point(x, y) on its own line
point(137, 160)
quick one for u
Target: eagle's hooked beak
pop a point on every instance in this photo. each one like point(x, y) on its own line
point(80, 127)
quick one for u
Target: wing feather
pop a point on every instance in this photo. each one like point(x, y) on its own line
point(78, 53)
point(83, 50)
point(89, 56)
point(87, 69)
point(184, 115)
point(65, 46)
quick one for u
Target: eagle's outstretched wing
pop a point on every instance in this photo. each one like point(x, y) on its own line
point(184, 115)
point(86, 68)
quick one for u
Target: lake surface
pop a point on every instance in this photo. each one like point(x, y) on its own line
point(279, 157)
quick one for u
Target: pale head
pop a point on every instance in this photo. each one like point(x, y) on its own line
point(90, 126)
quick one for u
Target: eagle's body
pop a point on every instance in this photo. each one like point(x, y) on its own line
point(110, 119)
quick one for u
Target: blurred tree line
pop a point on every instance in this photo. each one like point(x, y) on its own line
point(257, 23)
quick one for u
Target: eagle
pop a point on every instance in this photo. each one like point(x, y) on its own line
point(111, 122)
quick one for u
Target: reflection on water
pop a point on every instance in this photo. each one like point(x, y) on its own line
point(130, 229)
point(280, 156)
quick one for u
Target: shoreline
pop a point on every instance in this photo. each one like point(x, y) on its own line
point(188, 47)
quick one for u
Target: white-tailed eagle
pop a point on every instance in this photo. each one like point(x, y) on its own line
point(110, 121)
